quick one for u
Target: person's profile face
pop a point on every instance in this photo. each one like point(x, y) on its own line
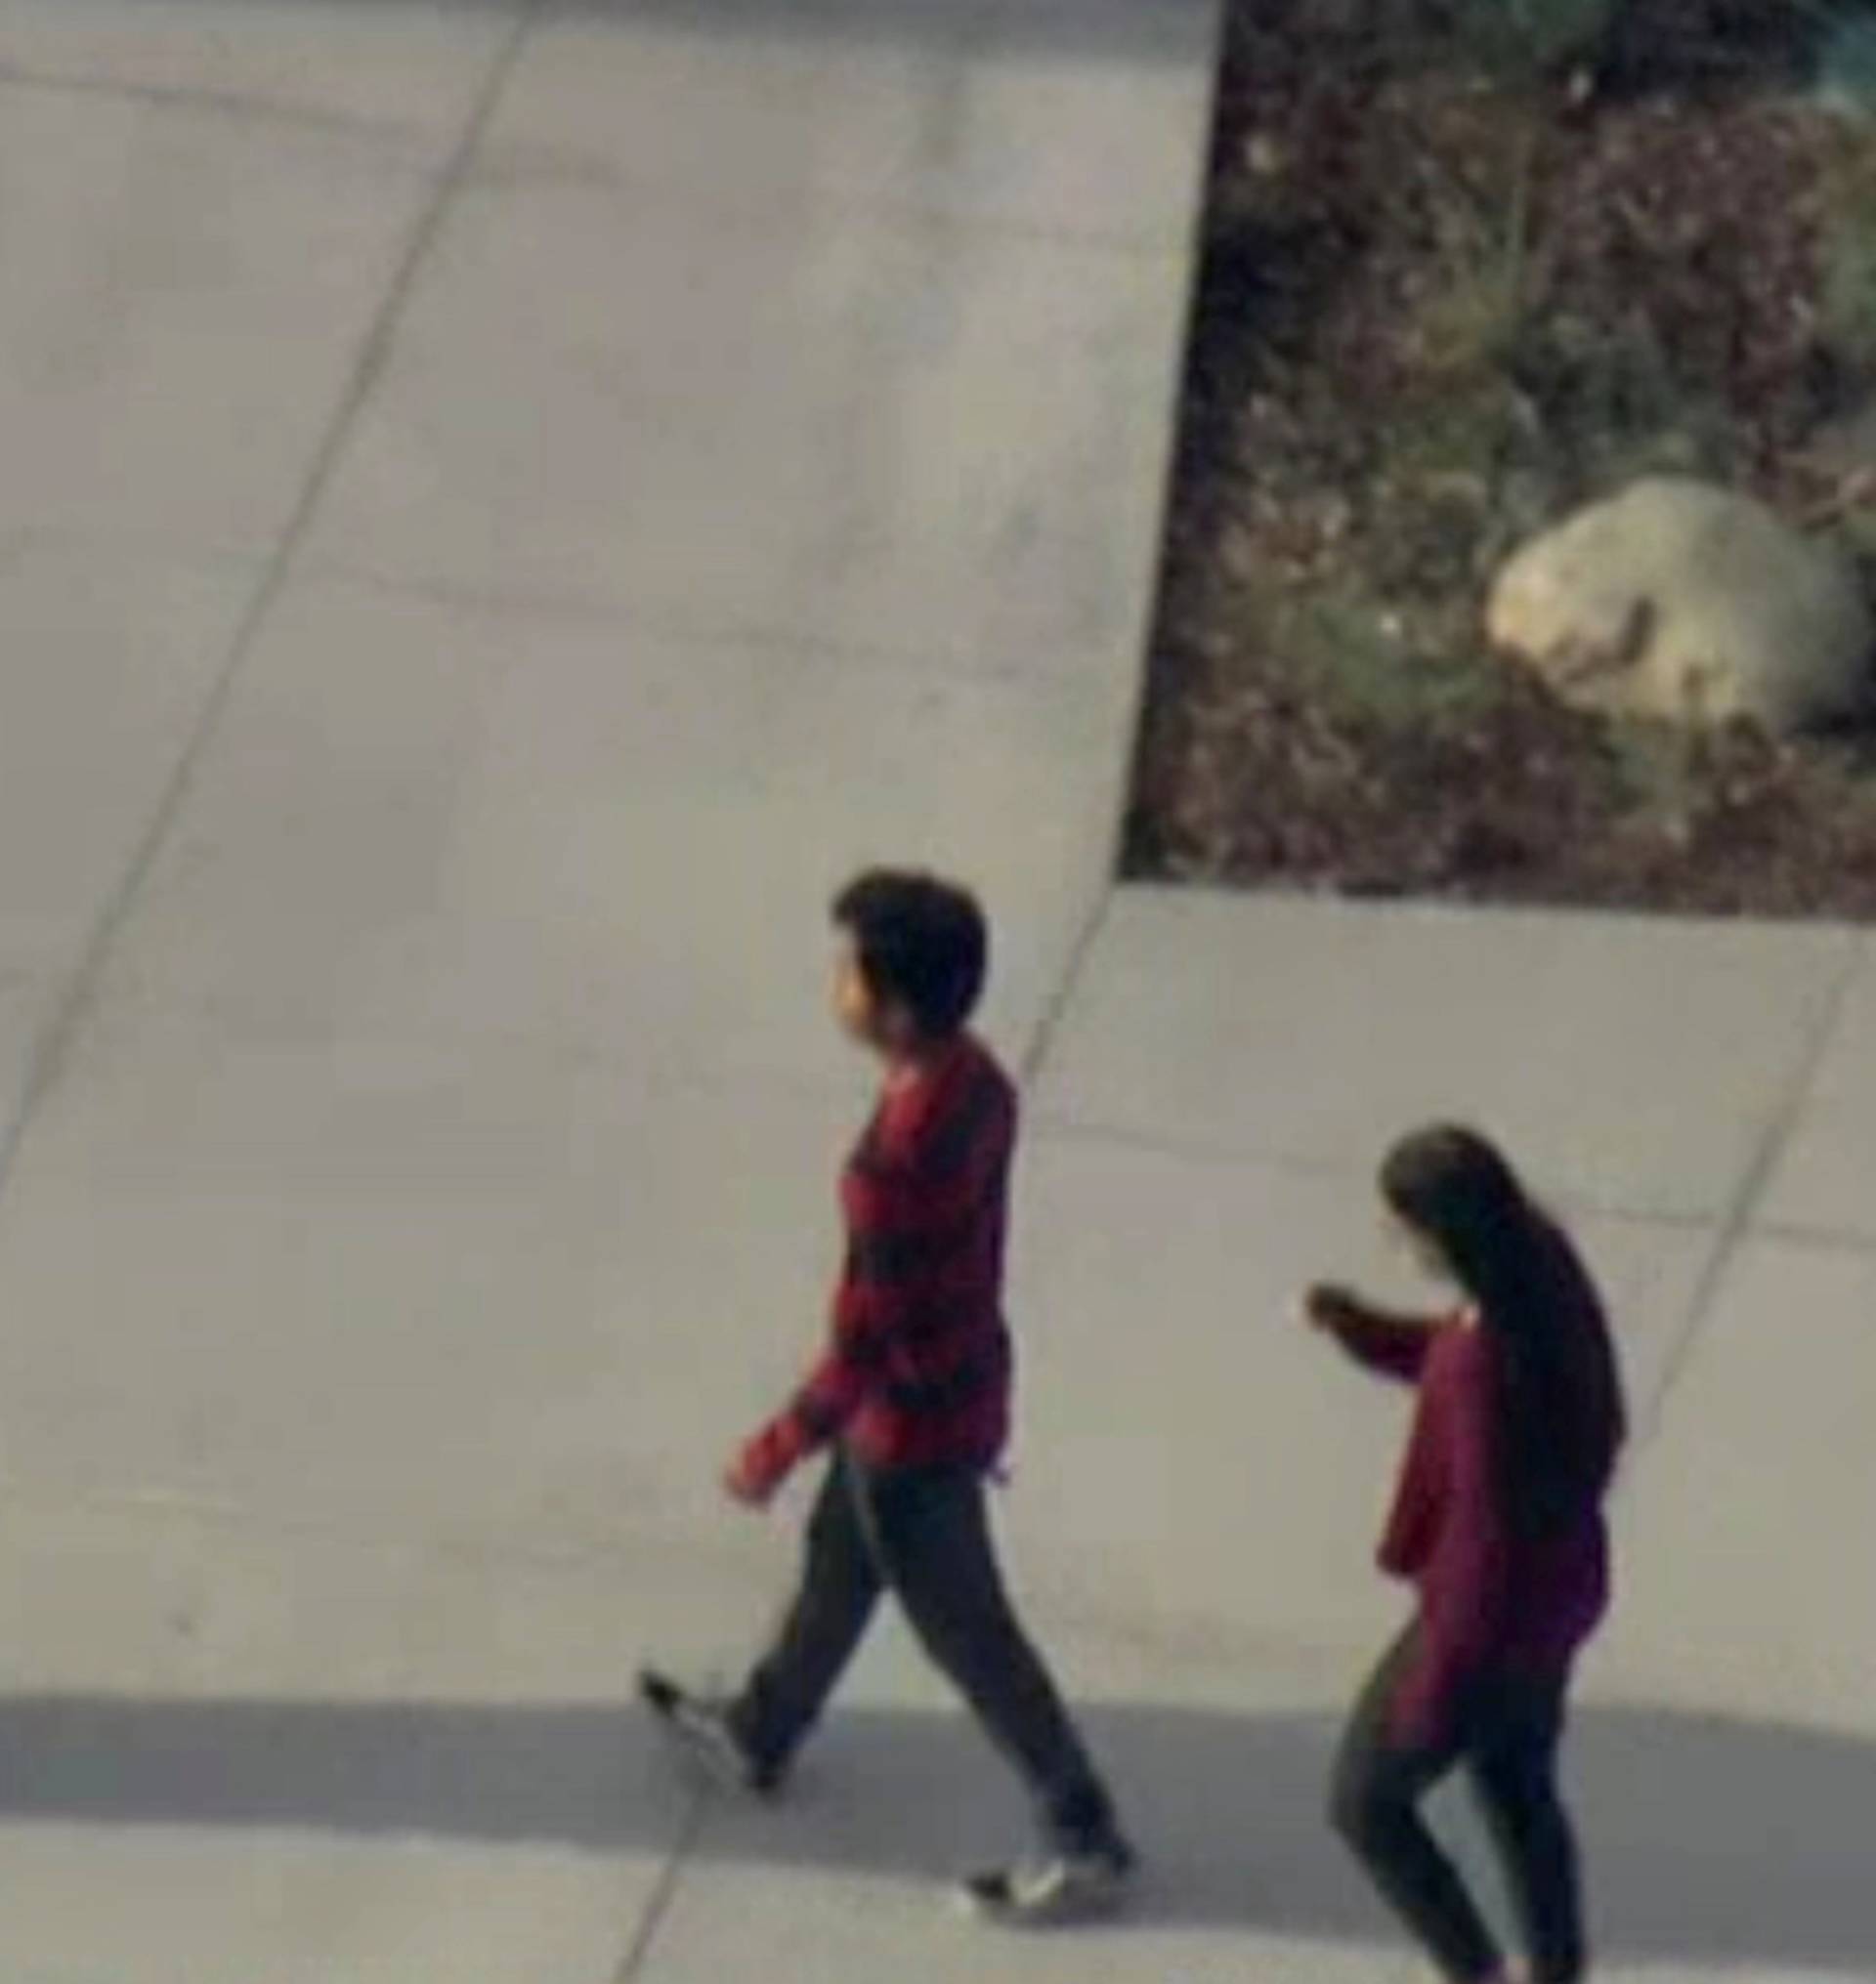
point(855, 1009)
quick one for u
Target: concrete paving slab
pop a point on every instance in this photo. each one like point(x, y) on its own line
point(26, 1004)
point(954, 110)
point(1825, 1180)
point(1195, 1466)
point(583, 1290)
point(1741, 1598)
point(111, 660)
point(807, 1927)
point(426, 1205)
point(412, 66)
point(392, 1751)
point(183, 296)
point(1633, 1065)
point(907, 436)
point(1741, 1973)
point(1718, 1845)
point(802, 1925)
point(1219, 1765)
point(240, 1752)
point(177, 1907)
point(426, 823)
point(512, 1240)
point(1221, 1757)
point(195, 1610)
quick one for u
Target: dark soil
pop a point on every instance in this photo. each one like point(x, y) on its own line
point(1442, 304)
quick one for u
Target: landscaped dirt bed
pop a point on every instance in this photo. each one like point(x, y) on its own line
point(1445, 301)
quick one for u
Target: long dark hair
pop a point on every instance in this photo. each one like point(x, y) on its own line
point(1560, 1413)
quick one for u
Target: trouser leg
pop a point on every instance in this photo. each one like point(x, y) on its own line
point(1514, 1766)
point(833, 1604)
point(934, 1542)
point(1376, 1808)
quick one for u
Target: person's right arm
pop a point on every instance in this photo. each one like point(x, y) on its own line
point(1390, 1345)
point(870, 1307)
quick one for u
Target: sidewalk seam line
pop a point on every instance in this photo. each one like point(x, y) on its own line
point(1064, 662)
point(530, 163)
point(234, 105)
point(1042, 1039)
point(1051, 1124)
point(651, 1919)
point(1738, 1223)
point(56, 1035)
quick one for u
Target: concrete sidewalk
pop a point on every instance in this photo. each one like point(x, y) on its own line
point(505, 505)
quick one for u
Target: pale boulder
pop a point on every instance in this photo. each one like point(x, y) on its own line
point(1691, 604)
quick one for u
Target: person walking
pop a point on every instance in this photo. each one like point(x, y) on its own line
point(913, 1395)
point(1498, 1522)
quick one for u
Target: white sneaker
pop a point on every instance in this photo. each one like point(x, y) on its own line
point(1058, 1889)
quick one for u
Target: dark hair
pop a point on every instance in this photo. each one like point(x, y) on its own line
point(1561, 1413)
point(922, 943)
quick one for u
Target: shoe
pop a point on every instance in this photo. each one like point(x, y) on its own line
point(1057, 1889)
point(707, 1734)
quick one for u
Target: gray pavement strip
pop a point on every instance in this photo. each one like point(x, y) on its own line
point(1124, 29)
point(1679, 1810)
point(1128, 30)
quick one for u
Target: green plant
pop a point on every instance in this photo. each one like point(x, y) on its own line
point(1611, 396)
point(1357, 658)
point(1658, 771)
point(1849, 292)
point(1458, 434)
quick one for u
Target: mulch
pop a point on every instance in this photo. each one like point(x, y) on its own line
point(1439, 308)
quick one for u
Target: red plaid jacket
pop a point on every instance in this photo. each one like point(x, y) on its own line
point(919, 1368)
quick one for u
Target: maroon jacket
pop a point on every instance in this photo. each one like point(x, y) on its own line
point(1490, 1597)
point(917, 1369)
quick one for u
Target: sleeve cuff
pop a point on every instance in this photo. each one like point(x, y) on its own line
point(775, 1452)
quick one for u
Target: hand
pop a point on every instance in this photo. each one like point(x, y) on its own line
point(1329, 1308)
point(749, 1480)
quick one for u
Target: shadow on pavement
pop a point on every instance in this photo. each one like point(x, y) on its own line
point(1708, 1839)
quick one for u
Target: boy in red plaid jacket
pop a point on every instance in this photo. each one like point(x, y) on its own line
point(912, 1393)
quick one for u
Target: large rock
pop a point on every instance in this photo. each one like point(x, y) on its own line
point(1691, 604)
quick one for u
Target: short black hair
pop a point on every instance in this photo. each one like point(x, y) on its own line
point(922, 943)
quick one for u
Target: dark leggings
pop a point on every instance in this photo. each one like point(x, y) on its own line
point(924, 1536)
point(1506, 1734)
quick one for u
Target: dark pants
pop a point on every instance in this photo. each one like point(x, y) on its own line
point(924, 1535)
point(1507, 1734)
